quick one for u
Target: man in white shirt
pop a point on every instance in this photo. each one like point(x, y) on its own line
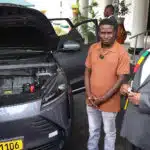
point(109, 11)
point(136, 123)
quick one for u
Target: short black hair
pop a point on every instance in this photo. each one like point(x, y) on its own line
point(108, 21)
point(110, 6)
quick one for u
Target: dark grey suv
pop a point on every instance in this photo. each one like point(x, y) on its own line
point(39, 73)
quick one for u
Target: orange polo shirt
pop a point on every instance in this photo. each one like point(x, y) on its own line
point(105, 72)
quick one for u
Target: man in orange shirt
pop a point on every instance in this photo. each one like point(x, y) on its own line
point(107, 64)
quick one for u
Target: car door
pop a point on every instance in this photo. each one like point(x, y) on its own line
point(73, 61)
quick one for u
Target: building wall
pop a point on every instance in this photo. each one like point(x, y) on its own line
point(55, 9)
point(129, 17)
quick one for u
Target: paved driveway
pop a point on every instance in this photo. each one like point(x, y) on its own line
point(79, 135)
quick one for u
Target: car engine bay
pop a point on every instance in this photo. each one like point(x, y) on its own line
point(25, 80)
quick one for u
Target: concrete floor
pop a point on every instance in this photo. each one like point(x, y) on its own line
point(79, 135)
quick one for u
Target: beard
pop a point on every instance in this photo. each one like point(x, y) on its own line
point(107, 44)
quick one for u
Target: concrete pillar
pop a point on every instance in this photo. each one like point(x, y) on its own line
point(140, 16)
point(83, 4)
point(83, 8)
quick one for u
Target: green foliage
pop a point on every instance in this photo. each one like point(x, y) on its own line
point(121, 9)
point(91, 12)
point(87, 30)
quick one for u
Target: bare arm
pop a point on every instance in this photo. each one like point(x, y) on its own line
point(112, 91)
point(123, 70)
point(87, 81)
point(115, 88)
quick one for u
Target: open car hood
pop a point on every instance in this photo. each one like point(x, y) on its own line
point(25, 28)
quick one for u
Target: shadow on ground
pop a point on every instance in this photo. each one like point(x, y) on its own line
point(79, 135)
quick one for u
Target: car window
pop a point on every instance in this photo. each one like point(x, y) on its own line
point(61, 27)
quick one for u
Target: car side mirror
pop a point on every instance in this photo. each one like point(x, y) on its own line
point(71, 46)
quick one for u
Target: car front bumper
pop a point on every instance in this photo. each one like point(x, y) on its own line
point(41, 128)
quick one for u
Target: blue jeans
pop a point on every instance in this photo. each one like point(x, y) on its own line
point(95, 119)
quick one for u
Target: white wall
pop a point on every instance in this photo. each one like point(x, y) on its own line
point(54, 10)
point(129, 17)
point(53, 7)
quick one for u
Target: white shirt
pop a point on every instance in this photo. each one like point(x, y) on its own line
point(145, 70)
point(108, 17)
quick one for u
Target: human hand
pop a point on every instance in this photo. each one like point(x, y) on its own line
point(134, 98)
point(98, 101)
point(91, 100)
point(125, 89)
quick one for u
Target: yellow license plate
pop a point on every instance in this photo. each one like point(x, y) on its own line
point(14, 144)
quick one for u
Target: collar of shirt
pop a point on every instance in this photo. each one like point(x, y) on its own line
point(145, 71)
point(111, 49)
point(109, 17)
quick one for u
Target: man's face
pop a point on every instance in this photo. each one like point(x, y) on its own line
point(108, 12)
point(107, 35)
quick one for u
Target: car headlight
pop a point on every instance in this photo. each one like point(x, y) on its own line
point(56, 88)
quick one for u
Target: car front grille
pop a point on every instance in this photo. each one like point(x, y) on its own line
point(43, 125)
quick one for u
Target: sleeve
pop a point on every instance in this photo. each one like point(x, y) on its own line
point(88, 62)
point(144, 105)
point(123, 64)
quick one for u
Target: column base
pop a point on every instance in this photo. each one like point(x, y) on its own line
point(131, 50)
